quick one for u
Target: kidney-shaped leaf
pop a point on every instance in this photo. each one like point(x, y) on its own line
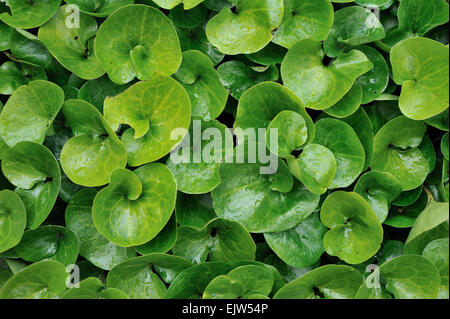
point(153, 109)
point(72, 45)
point(396, 152)
point(29, 112)
point(144, 277)
point(41, 280)
point(355, 232)
point(13, 219)
point(329, 282)
point(27, 14)
point(219, 240)
point(317, 85)
point(248, 29)
point(135, 206)
point(33, 169)
point(137, 41)
point(421, 66)
point(89, 157)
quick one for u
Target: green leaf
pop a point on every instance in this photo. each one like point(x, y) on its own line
point(310, 19)
point(15, 75)
point(219, 240)
point(421, 66)
point(194, 210)
point(416, 18)
point(300, 246)
point(169, 4)
point(379, 189)
point(72, 46)
point(349, 104)
point(5, 36)
point(396, 152)
point(252, 199)
point(101, 8)
point(238, 77)
point(33, 169)
point(96, 91)
point(261, 104)
point(93, 246)
point(26, 14)
point(355, 232)
point(445, 146)
point(431, 224)
point(135, 206)
point(374, 82)
point(321, 86)
point(271, 54)
point(191, 283)
point(352, 26)
point(315, 167)
point(143, 277)
point(29, 112)
point(13, 219)
point(241, 283)
point(41, 280)
point(404, 277)
point(94, 152)
point(201, 81)
point(49, 242)
point(329, 282)
point(188, 18)
point(92, 288)
point(29, 51)
point(126, 51)
point(196, 169)
point(247, 30)
point(437, 253)
point(153, 109)
point(343, 142)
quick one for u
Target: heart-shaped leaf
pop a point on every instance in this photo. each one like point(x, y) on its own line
point(41, 280)
point(33, 169)
point(194, 210)
point(404, 277)
point(93, 246)
point(92, 288)
point(163, 242)
point(396, 152)
point(321, 86)
point(99, 8)
point(379, 189)
point(143, 277)
point(153, 109)
point(248, 29)
point(202, 83)
point(310, 19)
point(356, 232)
point(29, 51)
point(416, 18)
point(15, 75)
point(257, 201)
point(135, 206)
point(96, 91)
point(89, 158)
point(29, 112)
point(330, 281)
point(245, 282)
point(49, 242)
point(13, 219)
point(437, 253)
point(191, 283)
point(219, 240)
point(132, 52)
point(349, 104)
point(421, 66)
point(188, 18)
point(316, 168)
point(343, 142)
point(197, 168)
point(72, 44)
point(352, 26)
point(26, 14)
point(300, 246)
point(260, 105)
point(238, 77)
